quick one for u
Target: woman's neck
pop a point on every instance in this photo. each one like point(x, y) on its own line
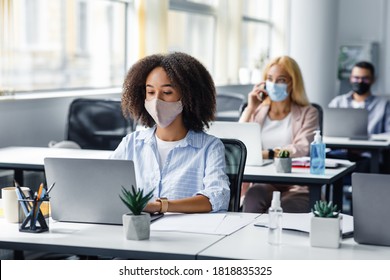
point(279, 110)
point(174, 132)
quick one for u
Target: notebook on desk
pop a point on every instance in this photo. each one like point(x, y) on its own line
point(371, 208)
point(249, 133)
point(87, 190)
point(301, 222)
point(346, 122)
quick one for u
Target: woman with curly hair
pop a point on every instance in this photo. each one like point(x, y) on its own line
point(174, 95)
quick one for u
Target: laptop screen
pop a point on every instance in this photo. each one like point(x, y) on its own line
point(87, 190)
point(249, 133)
point(371, 208)
point(345, 122)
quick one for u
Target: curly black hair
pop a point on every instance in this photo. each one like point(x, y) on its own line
point(186, 74)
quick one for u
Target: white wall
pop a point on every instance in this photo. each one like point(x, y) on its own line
point(313, 44)
point(318, 29)
point(365, 21)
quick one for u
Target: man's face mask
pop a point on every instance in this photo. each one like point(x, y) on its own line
point(361, 88)
point(162, 112)
point(276, 92)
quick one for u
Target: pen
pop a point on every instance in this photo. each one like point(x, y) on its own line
point(30, 191)
point(39, 192)
point(19, 191)
point(35, 209)
point(22, 201)
point(38, 210)
point(49, 189)
point(32, 215)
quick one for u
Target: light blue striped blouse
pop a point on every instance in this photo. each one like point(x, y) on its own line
point(195, 166)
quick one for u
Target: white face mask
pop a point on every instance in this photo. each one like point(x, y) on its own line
point(162, 112)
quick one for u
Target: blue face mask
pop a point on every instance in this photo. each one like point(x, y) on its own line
point(277, 92)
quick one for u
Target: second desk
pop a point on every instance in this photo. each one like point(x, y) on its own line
point(302, 176)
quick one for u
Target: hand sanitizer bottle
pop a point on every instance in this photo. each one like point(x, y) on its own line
point(275, 213)
point(317, 155)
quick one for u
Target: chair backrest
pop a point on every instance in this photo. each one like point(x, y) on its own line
point(228, 106)
point(320, 116)
point(97, 123)
point(235, 157)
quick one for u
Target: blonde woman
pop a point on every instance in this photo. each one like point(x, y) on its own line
point(280, 105)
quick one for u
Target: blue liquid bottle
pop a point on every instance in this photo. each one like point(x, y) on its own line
point(317, 155)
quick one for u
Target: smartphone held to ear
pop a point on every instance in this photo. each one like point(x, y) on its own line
point(263, 95)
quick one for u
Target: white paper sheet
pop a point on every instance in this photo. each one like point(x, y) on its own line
point(301, 222)
point(208, 223)
point(329, 162)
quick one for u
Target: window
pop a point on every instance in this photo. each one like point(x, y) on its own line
point(256, 33)
point(63, 44)
point(191, 29)
point(73, 44)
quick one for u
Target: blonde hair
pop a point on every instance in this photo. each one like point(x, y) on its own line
point(298, 94)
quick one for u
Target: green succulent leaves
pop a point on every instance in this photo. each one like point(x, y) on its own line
point(325, 210)
point(135, 199)
point(284, 154)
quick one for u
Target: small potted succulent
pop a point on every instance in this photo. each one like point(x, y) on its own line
point(282, 161)
point(136, 225)
point(325, 226)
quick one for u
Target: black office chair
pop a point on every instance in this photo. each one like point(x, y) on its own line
point(320, 116)
point(97, 123)
point(228, 106)
point(235, 157)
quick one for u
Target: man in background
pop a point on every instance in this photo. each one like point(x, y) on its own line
point(360, 97)
point(361, 79)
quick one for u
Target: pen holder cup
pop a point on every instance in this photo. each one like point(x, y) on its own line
point(35, 215)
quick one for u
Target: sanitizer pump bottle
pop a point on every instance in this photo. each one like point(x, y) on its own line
point(317, 155)
point(275, 213)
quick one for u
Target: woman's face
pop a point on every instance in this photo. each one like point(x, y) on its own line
point(159, 86)
point(276, 74)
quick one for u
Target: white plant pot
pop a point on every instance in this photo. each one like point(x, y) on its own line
point(136, 227)
point(325, 232)
point(282, 165)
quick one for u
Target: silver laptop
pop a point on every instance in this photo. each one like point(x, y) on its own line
point(371, 208)
point(346, 122)
point(87, 190)
point(249, 133)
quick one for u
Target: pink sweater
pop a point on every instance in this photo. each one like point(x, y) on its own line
point(304, 123)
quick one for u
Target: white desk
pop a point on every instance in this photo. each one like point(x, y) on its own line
point(31, 158)
point(104, 240)
point(251, 243)
point(302, 176)
point(375, 146)
point(108, 240)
